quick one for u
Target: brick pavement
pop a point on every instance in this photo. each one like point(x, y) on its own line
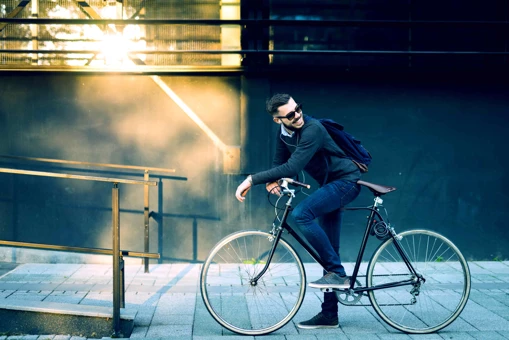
point(168, 304)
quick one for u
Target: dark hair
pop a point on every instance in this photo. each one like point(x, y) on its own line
point(277, 100)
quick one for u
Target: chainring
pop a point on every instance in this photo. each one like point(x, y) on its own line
point(348, 297)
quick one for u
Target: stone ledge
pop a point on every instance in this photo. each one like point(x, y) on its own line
point(39, 317)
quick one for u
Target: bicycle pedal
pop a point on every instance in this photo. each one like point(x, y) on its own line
point(330, 290)
point(326, 290)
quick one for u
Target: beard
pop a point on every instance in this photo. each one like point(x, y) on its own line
point(291, 127)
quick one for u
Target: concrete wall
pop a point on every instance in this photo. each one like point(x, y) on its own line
point(438, 138)
point(122, 120)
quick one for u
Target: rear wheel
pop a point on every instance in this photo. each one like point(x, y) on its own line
point(244, 306)
point(426, 305)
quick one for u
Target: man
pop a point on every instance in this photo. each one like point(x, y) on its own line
point(304, 144)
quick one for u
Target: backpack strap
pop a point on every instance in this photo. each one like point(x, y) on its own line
point(326, 169)
point(361, 166)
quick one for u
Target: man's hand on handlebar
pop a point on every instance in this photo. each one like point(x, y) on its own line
point(273, 188)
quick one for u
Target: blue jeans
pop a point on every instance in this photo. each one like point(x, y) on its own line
point(325, 204)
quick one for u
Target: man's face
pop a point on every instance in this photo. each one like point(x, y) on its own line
point(285, 113)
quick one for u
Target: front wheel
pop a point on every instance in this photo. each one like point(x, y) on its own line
point(430, 302)
point(244, 306)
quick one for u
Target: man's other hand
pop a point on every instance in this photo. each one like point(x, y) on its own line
point(242, 190)
point(273, 188)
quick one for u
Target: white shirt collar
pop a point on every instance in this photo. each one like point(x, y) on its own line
point(286, 133)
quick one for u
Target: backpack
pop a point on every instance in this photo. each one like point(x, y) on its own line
point(348, 143)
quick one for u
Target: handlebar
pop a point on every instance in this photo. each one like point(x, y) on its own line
point(283, 182)
point(296, 183)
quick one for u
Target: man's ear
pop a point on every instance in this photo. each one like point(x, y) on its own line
point(277, 120)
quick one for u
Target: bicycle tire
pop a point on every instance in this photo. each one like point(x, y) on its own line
point(438, 301)
point(234, 302)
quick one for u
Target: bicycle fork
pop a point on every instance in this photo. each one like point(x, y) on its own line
point(275, 235)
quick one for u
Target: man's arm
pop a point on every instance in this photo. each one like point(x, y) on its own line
point(311, 140)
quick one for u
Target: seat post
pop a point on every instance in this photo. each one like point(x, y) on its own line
point(378, 201)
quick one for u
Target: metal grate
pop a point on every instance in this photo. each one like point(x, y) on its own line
point(107, 38)
point(337, 33)
point(183, 37)
point(484, 38)
point(12, 36)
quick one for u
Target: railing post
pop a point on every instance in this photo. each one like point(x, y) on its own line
point(116, 259)
point(146, 219)
point(122, 280)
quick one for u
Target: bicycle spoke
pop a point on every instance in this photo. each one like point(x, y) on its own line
point(267, 304)
point(434, 301)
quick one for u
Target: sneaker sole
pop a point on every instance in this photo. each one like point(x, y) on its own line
point(316, 327)
point(319, 286)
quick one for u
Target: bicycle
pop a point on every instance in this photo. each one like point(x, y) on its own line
point(254, 282)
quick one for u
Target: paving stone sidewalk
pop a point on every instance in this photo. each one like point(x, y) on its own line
point(169, 305)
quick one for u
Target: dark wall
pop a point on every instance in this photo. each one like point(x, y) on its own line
point(437, 138)
point(124, 120)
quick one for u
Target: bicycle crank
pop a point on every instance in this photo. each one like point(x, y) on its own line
point(348, 296)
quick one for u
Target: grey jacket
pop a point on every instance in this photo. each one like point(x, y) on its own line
point(310, 149)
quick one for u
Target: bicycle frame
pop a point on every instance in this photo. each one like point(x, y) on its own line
point(238, 296)
point(278, 231)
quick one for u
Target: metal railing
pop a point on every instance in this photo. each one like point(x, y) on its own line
point(118, 262)
point(146, 178)
point(116, 252)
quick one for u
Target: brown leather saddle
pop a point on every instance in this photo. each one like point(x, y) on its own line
point(376, 189)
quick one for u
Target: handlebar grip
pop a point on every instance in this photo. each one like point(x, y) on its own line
point(244, 193)
point(297, 183)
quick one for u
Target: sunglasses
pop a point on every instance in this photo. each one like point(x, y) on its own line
point(291, 115)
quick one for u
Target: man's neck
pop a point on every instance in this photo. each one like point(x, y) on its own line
point(285, 131)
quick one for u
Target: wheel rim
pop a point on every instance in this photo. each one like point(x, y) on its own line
point(241, 305)
point(426, 306)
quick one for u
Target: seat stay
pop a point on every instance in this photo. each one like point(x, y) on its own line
point(404, 256)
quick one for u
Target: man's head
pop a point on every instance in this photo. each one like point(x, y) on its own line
point(284, 110)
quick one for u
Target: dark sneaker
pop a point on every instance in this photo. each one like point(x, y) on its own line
point(331, 280)
point(319, 321)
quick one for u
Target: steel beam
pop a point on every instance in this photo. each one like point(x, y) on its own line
point(259, 22)
point(21, 6)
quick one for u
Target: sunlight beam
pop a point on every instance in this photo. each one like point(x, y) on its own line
point(189, 112)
